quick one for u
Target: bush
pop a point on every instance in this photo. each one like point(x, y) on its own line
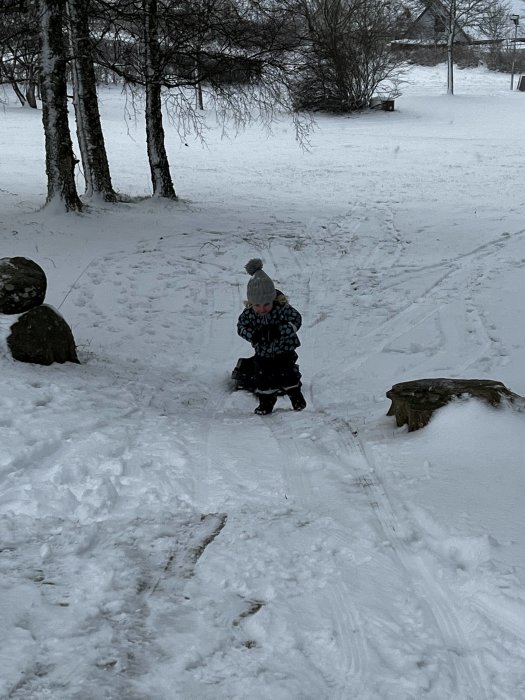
point(502, 61)
point(467, 56)
point(424, 56)
point(318, 90)
point(347, 55)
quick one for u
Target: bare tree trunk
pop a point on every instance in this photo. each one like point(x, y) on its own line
point(450, 65)
point(32, 81)
point(89, 129)
point(11, 79)
point(198, 96)
point(31, 93)
point(157, 156)
point(17, 91)
point(60, 161)
point(199, 102)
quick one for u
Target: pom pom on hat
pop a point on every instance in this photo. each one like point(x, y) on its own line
point(253, 265)
point(261, 289)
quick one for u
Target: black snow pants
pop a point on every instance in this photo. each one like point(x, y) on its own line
point(276, 373)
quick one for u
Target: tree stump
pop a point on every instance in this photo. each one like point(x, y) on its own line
point(23, 285)
point(42, 336)
point(413, 403)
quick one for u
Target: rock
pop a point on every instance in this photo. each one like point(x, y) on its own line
point(414, 402)
point(23, 285)
point(42, 336)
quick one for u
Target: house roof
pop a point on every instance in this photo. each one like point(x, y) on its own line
point(435, 8)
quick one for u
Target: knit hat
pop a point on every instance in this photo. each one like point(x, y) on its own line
point(261, 289)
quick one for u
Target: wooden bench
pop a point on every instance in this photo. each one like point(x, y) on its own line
point(387, 105)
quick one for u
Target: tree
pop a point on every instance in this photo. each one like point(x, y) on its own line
point(238, 55)
point(348, 53)
point(60, 160)
point(495, 27)
point(157, 156)
point(89, 129)
point(461, 15)
point(19, 49)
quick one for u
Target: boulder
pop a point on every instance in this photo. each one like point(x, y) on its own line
point(413, 403)
point(23, 285)
point(42, 336)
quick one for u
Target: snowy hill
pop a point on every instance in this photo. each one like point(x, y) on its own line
point(158, 539)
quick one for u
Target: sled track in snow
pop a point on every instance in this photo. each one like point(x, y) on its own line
point(451, 268)
point(337, 600)
point(462, 273)
point(442, 615)
point(468, 674)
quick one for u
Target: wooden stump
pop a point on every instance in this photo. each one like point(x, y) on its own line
point(414, 402)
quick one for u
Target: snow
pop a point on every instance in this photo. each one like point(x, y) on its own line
point(157, 539)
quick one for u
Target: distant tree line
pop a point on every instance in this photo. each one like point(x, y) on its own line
point(245, 58)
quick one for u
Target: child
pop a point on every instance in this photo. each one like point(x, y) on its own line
point(270, 324)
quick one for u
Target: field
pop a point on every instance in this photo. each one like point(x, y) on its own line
point(158, 540)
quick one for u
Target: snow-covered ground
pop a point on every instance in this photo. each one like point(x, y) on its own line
point(158, 540)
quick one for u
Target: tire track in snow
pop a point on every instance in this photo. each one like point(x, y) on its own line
point(456, 268)
point(503, 613)
point(300, 459)
point(463, 275)
point(443, 615)
point(318, 620)
point(388, 250)
point(279, 479)
point(352, 647)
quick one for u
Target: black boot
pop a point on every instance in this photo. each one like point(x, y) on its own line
point(297, 399)
point(266, 404)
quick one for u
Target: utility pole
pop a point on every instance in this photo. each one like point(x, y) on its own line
point(516, 20)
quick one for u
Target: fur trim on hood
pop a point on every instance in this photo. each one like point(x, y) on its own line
point(280, 299)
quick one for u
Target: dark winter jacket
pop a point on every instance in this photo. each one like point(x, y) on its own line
point(282, 322)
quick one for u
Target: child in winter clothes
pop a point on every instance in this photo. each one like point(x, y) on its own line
point(270, 324)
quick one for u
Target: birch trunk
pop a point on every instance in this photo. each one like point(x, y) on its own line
point(89, 130)
point(157, 156)
point(60, 161)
